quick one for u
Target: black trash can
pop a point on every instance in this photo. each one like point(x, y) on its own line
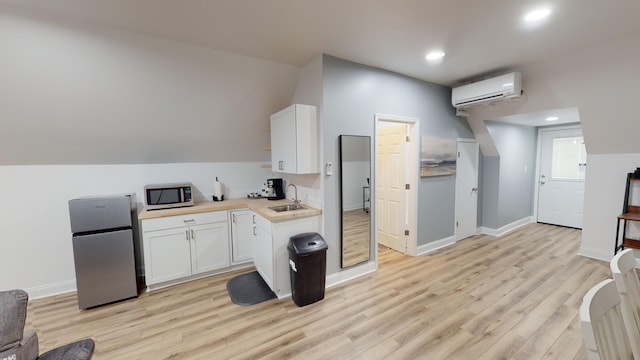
point(308, 267)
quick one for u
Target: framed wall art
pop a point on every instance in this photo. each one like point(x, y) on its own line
point(437, 156)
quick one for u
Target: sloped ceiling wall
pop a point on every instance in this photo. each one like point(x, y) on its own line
point(77, 94)
point(601, 82)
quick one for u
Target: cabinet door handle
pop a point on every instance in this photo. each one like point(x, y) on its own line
point(193, 237)
point(254, 218)
point(233, 218)
point(281, 165)
point(254, 231)
point(186, 234)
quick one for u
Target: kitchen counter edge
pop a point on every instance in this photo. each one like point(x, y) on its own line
point(260, 206)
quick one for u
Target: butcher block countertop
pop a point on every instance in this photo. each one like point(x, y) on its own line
point(260, 206)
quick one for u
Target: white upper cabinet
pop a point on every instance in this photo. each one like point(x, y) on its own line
point(294, 140)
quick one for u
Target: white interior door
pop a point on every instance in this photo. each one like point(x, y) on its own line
point(466, 190)
point(563, 161)
point(391, 178)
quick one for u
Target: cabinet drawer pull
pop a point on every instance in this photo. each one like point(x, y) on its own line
point(189, 221)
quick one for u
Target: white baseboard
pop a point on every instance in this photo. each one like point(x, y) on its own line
point(434, 245)
point(595, 254)
point(51, 289)
point(162, 285)
point(350, 274)
point(507, 228)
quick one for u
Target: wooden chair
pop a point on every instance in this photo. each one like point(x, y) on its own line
point(602, 326)
point(623, 268)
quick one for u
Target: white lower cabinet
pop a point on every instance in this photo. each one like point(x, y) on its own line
point(209, 247)
point(177, 247)
point(186, 247)
point(271, 256)
point(241, 236)
point(167, 255)
point(263, 248)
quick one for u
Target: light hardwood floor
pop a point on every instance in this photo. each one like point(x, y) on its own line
point(514, 297)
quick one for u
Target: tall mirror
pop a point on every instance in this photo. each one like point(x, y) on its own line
point(355, 198)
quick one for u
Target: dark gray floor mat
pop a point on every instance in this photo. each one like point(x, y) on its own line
point(249, 289)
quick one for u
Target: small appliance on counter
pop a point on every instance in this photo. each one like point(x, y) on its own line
point(106, 249)
point(275, 189)
point(256, 195)
point(218, 194)
point(166, 196)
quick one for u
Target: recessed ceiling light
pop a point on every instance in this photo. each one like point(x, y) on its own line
point(551, 118)
point(435, 56)
point(537, 15)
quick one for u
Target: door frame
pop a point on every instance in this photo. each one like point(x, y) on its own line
point(414, 173)
point(477, 160)
point(536, 191)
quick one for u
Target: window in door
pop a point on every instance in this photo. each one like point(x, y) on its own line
point(569, 158)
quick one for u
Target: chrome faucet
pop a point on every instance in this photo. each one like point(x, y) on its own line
point(296, 201)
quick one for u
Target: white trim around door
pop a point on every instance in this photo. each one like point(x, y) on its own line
point(413, 172)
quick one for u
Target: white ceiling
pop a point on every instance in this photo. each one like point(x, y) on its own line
point(478, 36)
point(535, 119)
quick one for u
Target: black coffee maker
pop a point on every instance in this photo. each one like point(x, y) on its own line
point(275, 189)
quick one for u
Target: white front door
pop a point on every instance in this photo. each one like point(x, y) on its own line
point(391, 179)
point(466, 190)
point(563, 161)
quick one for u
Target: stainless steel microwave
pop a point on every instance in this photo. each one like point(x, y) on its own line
point(166, 196)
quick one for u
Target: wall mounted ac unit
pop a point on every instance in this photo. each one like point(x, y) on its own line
point(507, 86)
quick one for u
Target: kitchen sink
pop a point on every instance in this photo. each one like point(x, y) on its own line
point(282, 208)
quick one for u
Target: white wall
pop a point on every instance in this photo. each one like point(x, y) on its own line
point(36, 235)
point(604, 196)
point(602, 83)
point(86, 110)
point(309, 92)
point(78, 94)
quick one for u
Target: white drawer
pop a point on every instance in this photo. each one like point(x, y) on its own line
point(262, 222)
point(171, 222)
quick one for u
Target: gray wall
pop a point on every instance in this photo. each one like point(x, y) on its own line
point(489, 191)
point(508, 180)
point(352, 94)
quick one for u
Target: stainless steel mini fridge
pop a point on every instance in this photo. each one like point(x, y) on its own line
point(106, 249)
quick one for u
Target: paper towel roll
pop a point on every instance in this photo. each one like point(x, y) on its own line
point(217, 191)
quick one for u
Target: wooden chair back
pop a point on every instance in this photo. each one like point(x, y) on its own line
point(623, 269)
point(603, 328)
